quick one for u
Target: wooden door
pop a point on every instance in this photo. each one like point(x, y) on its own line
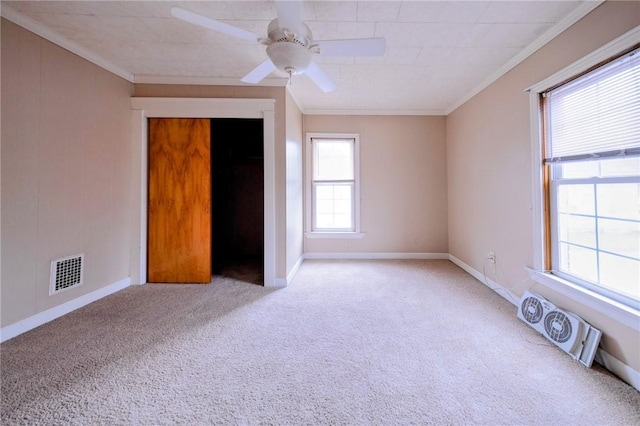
point(179, 215)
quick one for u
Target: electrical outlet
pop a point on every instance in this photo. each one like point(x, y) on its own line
point(491, 257)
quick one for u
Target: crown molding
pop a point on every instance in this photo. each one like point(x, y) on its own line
point(626, 41)
point(373, 112)
point(579, 13)
point(73, 47)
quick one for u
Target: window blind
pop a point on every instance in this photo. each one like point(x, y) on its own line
point(596, 115)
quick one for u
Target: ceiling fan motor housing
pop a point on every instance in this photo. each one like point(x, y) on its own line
point(289, 51)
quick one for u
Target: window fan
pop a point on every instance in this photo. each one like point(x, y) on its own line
point(565, 329)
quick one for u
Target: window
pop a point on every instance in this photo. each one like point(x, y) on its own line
point(332, 184)
point(591, 134)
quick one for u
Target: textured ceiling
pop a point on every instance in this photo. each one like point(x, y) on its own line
point(439, 53)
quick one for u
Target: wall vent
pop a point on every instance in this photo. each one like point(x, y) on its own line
point(66, 272)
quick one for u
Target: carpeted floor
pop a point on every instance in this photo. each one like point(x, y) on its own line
point(348, 342)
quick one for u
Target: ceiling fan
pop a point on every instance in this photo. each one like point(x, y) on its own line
point(290, 45)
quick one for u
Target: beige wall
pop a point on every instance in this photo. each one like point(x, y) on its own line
point(403, 183)
point(490, 174)
point(65, 172)
point(244, 92)
point(295, 183)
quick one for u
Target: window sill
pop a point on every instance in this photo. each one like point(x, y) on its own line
point(617, 311)
point(335, 235)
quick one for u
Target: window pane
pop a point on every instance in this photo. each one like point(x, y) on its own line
point(324, 192)
point(342, 192)
point(324, 221)
point(342, 221)
point(333, 206)
point(579, 261)
point(342, 207)
point(576, 199)
point(333, 159)
point(613, 167)
point(619, 237)
point(620, 274)
point(578, 230)
point(620, 167)
point(580, 169)
point(324, 206)
point(619, 200)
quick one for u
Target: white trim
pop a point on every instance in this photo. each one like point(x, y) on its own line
point(139, 156)
point(485, 280)
point(625, 41)
point(373, 256)
point(278, 283)
point(269, 161)
point(143, 108)
point(580, 12)
point(52, 36)
point(615, 310)
point(22, 326)
point(537, 190)
point(335, 235)
point(375, 112)
point(203, 107)
point(205, 81)
point(294, 270)
point(309, 181)
point(619, 368)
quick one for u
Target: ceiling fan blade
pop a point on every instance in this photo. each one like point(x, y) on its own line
point(203, 21)
point(320, 78)
point(260, 72)
point(353, 47)
point(289, 15)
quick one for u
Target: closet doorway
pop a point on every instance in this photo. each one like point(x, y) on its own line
point(237, 195)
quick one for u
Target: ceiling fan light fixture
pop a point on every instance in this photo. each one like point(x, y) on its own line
point(289, 57)
point(289, 44)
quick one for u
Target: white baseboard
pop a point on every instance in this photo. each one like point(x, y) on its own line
point(294, 270)
point(506, 294)
point(356, 256)
point(608, 361)
point(15, 329)
point(619, 368)
point(278, 282)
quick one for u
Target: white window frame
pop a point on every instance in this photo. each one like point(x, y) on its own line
point(618, 311)
point(309, 231)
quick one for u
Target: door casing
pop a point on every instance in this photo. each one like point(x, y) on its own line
point(143, 108)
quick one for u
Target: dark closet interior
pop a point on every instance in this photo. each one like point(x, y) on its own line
point(237, 195)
